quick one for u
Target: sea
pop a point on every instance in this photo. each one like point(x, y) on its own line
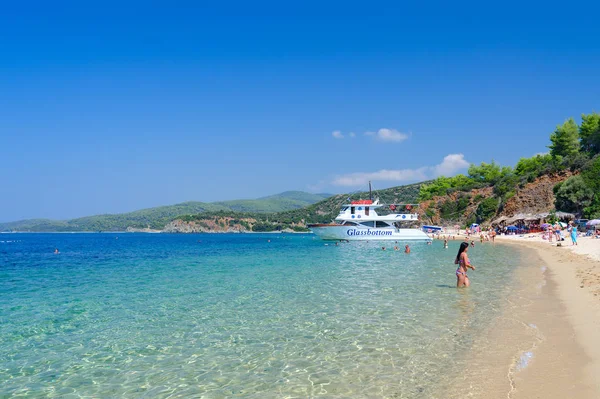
point(135, 315)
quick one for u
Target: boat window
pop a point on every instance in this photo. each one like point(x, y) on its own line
point(366, 210)
point(381, 224)
point(344, 209)
point(368, 224)
point(352, 210)
point(347, 223)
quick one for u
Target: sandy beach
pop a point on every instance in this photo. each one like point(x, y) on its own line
point(562, 315)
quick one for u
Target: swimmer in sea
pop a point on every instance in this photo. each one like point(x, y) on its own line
point(56, 251)
point(406, 249)
point(462, 260)
point(445, 243)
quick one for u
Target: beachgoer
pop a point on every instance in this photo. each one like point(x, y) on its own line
point(446, 243)
point(383, 248)
point(406, 249)
point(56, 251)
point(462, 260)
point(493, 235)
point(573, 230)
point(428, 242)
point(472, 243)
point(481, 238)
point(396, 248)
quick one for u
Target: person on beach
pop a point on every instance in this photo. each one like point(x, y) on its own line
point(462, 260)
point(573, 231)
point(557, 231)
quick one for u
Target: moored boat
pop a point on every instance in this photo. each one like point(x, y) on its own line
point(359, 220)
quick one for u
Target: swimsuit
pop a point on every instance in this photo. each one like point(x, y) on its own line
point(459, 271)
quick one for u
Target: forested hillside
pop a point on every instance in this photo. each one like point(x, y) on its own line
point(321, 212)
point(572, 167)
point(157, 218)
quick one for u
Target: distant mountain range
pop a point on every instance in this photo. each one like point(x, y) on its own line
point(157, 218)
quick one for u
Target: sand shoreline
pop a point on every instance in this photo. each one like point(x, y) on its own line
point(575, 275)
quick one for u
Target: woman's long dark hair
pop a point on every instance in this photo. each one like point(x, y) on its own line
point(463, 246)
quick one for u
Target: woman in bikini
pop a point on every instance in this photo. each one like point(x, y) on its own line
point(462, 260)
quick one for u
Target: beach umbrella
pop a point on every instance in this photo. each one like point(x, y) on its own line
point(544, 225)
point(593, 222)
point(562, 224)
point(512, 228)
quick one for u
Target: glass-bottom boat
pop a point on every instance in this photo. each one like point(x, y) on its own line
point(359, 221)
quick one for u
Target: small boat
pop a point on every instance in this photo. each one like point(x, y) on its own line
point(358, 220)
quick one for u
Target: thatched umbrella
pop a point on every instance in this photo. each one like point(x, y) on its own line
point(532, 218)
point(499, 220)
point(565, 215)
point(515, 218)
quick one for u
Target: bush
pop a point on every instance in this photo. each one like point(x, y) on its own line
point(486, 209)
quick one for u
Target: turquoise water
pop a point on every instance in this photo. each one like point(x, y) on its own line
point(222, 315)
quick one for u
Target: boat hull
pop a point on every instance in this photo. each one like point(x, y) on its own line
point(356, 233)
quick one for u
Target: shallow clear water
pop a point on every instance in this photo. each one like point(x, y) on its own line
point(221, 315)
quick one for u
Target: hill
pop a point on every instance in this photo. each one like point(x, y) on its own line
point(275, 203)
point(565, 179)
point(321, 212)
point(158, 217)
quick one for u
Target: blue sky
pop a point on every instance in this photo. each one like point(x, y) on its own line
point(113, 107)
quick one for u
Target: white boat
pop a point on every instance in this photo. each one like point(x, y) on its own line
point(358, 220)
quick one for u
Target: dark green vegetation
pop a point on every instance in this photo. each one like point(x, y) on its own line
point(321, 212)
point(572, 147)
point(157, 218)
point(274, 203)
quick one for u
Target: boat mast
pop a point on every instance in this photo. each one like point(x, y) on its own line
point(370, 193)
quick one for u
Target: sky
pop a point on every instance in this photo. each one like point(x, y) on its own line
point(110, 107)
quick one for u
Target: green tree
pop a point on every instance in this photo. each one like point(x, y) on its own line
point(589, 132)
point(565, 140)
point(573, 195)
point(528, 169)
point(485, 173)
point(591, 175)
point(486, 209)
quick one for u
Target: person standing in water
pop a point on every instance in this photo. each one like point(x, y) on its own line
point(462, 260)
point(406, 249)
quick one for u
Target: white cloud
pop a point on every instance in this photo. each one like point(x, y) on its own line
point(384, 134)
point(451, 164)
point(388, 135)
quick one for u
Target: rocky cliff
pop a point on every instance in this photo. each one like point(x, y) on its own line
point(534, 197)
point(210, 225)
